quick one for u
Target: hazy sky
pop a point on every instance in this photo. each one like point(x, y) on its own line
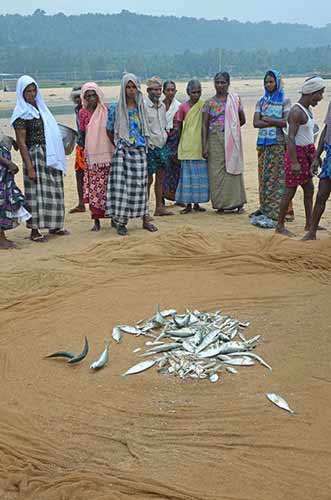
point(317, 14)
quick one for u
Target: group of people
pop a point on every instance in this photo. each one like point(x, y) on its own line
point(192, 151)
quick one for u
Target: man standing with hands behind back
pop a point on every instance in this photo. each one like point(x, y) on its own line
point(157, 156)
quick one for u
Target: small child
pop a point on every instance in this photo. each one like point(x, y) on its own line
point(324, 187)
point(12, 209)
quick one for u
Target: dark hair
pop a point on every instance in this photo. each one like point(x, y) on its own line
point(194, 82)
point(270, 73)
point(168, 82)
point(223, 74)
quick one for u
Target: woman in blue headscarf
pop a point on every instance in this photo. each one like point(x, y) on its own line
point(270, 118)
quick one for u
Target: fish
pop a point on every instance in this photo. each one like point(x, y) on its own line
point(61, 354)
point(158, 319)
point(116, 334)
point(81, 355)
point(243, 361)
point(279, 401)
point(255, 356)
point(140, 367)
point(182, 321)
point(130, 329)
point(168, 312)
point(100, 363)
point(245, 324)
point(253, 340)
point(137, 350)
point(184, 332)
point(161, 348)
point(210, 338)
point(211, 352)
point(233, 346)
point(231, 370)
point(213, 377)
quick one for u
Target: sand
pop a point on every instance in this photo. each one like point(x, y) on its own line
point(69, 434)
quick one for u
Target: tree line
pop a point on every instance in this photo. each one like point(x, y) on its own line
point(104, 64)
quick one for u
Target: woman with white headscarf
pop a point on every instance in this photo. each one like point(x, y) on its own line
point(127, 128)
point(40, 144)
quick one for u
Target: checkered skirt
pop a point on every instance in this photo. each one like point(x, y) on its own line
point(44, 198)
point(127, 184)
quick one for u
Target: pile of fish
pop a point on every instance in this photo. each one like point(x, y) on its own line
point(198, 345)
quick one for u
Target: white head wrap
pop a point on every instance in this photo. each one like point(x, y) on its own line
point(313, 84)
point(55, 156)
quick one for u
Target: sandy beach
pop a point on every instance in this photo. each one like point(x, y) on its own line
point(67, 433)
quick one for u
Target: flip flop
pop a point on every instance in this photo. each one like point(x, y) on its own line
point(59, 232)
point(39, 239)
point(77, 210)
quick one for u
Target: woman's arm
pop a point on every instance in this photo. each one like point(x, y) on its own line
point(21, 142)
point(9, 164)
point(205, 133)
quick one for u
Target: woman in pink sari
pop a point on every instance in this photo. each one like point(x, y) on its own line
point(98, 150)
point(223, 117)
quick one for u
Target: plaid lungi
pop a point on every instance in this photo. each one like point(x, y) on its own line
point(44, 197)
point(127, 185)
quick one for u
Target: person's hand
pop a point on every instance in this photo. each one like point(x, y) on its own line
point(205, 153)
point(13, 168)
point(315, 166)
point(265, 119)
point(296, 168)
point(32, 174)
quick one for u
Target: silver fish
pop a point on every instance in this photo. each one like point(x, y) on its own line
point(158, 319)
point(100, 363)
point(209, 339)
point(231, 370)
point(168, 312)
point(253, 355)
point(279, 401)
point(245, 324)
point(253, 340)
point(213, 377)
point(116, 334)
point(81, 355)
point(244, 361)
point(140, 367)
point(183, 332)
point(130, 329)
point(182, 321)
point(137, 350)
point(233, 346)
point(61, 354)
point(162, 348)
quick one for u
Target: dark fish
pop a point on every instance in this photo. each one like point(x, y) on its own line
point(80, 356)
point(61, 354)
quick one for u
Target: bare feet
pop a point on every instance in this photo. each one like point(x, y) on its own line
point(284, 232)
point(149, 226)
point(6, 244)
point(78, 209)
point(162, 212)
point(96, 227)
point(309, 236)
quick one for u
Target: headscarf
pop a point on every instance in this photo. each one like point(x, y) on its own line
point(122, 127)
point(312, 84)
point(55, 156)
point(99, 149)
point(271, 105)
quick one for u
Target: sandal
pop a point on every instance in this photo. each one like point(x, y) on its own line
point(149, 227)
point(122, 230)
point(58, 232)
point(77, 210)
point(39, 238)
point(186, 210)
point(197, 208)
